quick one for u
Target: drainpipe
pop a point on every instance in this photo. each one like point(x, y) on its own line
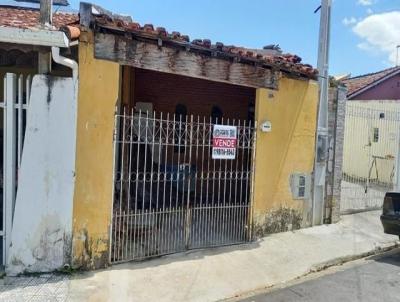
point(55, 51)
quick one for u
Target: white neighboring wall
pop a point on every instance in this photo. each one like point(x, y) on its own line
point(42, 226)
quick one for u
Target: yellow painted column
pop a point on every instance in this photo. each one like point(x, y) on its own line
point(288, 149)
point(98, 96)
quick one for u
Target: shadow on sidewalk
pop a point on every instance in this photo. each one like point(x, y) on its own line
point(190, 255)
point(392, 257)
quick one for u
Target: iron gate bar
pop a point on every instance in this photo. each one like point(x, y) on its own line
point(253, 169)
point(189, 212)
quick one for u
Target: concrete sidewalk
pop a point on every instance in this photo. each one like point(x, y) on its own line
point(223, 273)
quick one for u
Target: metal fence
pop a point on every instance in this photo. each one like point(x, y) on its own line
point(370, 150)
point(13, 110)
point(169, 194)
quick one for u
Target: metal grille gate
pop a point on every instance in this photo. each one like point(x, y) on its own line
point(371, 142)
point(169, 194)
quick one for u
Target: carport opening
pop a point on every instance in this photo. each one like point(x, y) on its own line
point(170, 185)
point(169, 93)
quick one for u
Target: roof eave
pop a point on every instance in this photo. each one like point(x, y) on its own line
point(199, 49)
point(39, 37)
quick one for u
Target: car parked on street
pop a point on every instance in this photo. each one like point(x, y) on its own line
point(390, 217)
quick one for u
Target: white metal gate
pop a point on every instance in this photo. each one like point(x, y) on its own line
point(169, 194)
point(13, 110)
point(371, 143)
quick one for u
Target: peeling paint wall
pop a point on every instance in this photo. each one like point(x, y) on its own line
point(42, 227)
point(288, 149)
point(278, 220)
point(98, 96)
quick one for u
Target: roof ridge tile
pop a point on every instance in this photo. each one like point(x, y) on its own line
point(372, 73)
point(361, 82)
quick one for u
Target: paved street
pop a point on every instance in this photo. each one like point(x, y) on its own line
point(218, 274)
point(376, 279)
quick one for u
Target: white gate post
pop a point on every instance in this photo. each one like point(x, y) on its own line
point(9, 163)
point(396, 187)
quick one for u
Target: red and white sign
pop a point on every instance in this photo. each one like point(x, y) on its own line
point(224, 142)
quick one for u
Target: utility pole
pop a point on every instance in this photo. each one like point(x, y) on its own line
point(46, 19)
point(397, 55)
point(46, 12)
point(321, 146)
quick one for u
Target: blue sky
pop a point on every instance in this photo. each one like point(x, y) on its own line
point(364, 32)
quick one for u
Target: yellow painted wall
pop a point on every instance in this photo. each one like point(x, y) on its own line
point(287, 149)
point(98, 95)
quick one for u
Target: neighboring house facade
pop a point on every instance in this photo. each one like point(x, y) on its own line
point(382, 85)
point(371, 138)
point(38, 125)
point(152, 143)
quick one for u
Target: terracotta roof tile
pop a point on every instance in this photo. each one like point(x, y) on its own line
point(29, 18)
point(285, 62)
point(358, 83)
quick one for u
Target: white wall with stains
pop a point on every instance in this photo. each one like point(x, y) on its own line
point(42, 226)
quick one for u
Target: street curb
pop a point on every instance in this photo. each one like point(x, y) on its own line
point(344, 259)
point(315, 269)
